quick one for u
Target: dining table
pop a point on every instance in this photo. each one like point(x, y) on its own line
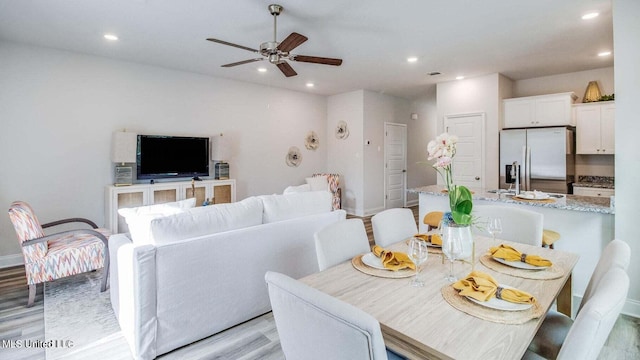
point(434, 321)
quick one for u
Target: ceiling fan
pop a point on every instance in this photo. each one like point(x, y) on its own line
point(278, 52)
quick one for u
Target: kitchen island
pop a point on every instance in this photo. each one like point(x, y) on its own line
point(585, 223)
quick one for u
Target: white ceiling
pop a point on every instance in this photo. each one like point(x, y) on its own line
point(520, 39)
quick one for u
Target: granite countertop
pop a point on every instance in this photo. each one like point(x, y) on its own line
point(566, 202)
point(599, 182)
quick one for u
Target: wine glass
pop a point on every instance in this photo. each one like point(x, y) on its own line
point(494, 227)
point(418, 253)
point(452, 248)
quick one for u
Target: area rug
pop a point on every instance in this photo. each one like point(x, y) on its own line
point(79, 322)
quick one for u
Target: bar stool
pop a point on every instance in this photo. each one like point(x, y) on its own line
point(432, 219)
point(549, 237)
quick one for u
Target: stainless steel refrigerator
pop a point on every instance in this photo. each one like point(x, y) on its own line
point(545, 155)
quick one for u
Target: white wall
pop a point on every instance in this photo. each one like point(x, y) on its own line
point(419, 133)
point(575, 81)
point(378, 109)
point(479, 94)
point(598, 165)
point(626, 32)
point(58, 110)
point(345, 157)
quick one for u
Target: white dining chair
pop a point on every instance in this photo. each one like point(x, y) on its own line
point(313, 325)
point(393, 225)
point(588, 333)
point(556, 325)
point(340, 241)
point(518, 225)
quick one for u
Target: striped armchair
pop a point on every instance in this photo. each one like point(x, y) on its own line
point(50, 257)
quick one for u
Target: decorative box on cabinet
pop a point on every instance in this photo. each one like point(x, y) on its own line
point(595, 129)
point(117, 197)
point(587, 191)
point(539, 111)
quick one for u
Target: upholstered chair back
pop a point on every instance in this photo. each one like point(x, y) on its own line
point(313, 325)
point(340, 241)
point(616, 254)
point(393, 225)
point(595, 320)
point(27, 227)
point(518, 225)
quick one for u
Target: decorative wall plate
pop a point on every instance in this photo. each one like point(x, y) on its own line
point(342, 132)
point(293, 158)
point(311, 141)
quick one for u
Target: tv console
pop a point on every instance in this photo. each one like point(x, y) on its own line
point(116, 197)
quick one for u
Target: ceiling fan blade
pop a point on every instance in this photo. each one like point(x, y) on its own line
point(316, 60)
point(232, 44)
point(286, 69)
point(291, 42)
point(242, 62)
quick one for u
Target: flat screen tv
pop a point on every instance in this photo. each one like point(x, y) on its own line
point(172, 156)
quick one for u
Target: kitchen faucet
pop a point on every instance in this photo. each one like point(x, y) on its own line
point(515, 173)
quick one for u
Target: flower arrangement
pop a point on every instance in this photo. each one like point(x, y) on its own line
point(443, 149)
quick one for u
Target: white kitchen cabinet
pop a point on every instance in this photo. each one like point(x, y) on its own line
point(595, 128)
point(117, 197)
point(587, 191)
point(539, 111)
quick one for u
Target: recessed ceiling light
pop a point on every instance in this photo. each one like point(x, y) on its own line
point(590, 16)
point(412, 59)
point(604, 53)
point(459, 77)
point(110, 37)
point(310, 84)
point(261, 69)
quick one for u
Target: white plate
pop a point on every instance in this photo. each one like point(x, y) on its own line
point(499, 304)
point(530, 196)
point(519, 264)
point(373, 261)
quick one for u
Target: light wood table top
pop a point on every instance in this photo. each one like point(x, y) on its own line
point(420, 324)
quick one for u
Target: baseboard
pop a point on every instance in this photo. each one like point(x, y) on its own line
point(373, 211)
point(11, 260)
point(412, 203)
point(631, 307)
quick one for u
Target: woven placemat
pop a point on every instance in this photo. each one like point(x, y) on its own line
point(360, 266)
point(545, 201)
point(553, 272)
point(498, 316)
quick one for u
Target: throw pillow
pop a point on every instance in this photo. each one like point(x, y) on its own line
point(318, 183)
point(207, 220)
point(139, 218)
point(290, 206)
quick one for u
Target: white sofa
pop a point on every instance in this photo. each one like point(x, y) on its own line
point(200, 271)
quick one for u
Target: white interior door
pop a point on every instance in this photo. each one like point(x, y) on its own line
point(468, 163)
point(395, 169)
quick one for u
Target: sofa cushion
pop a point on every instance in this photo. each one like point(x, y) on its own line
point(139, 218)
point(290, 206)
point(318, 183)
point(207, 220)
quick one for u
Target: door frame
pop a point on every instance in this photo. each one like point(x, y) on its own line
point(404, 186)
point(483, 120)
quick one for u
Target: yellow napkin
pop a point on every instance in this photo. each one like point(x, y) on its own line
point(508, 253)
point(393, 260)
point(434, 239)
point(483, 287)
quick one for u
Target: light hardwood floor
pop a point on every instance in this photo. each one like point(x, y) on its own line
point(254, 339)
